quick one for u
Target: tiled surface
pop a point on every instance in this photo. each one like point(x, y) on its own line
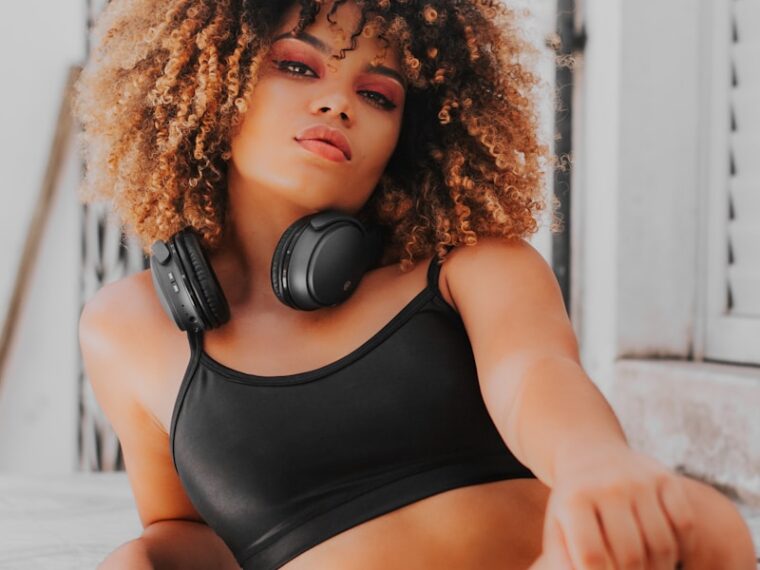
point(64, 522)
point(73, 522)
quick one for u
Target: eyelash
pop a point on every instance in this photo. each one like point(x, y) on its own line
point(282, 65)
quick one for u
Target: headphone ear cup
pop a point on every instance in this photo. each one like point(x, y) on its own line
point(176, 299)
point(320, 259)
point(202, 278)
point(281, 257)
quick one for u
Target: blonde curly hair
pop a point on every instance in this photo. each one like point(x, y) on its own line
point(165, 89)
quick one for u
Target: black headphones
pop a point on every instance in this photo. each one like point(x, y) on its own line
point(318, 262)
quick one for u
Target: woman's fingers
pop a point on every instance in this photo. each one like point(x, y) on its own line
point(554, 550)
point(679, 511)
point(583, 536)
point(622, 534)
point(555, 546)
point(632, 524)
point(659, 539)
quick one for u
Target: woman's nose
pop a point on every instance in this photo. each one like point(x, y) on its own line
point(334, 103)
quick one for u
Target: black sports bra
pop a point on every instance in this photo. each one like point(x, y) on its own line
point(277, 464)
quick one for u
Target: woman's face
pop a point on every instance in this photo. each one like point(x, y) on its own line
point(300, 86)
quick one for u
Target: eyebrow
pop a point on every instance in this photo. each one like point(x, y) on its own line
point(325, 49)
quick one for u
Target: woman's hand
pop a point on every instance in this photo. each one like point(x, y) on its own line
point(612, 508)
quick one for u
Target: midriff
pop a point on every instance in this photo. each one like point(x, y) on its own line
point(496, 525)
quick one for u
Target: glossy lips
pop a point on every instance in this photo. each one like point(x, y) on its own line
point(327, 135)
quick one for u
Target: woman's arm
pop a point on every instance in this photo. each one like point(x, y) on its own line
point(172, 544)
point(557, 414)
point(541, 400)
point(610, 507)
point(122, 365)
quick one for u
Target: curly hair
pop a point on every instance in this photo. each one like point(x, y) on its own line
point(166, 85)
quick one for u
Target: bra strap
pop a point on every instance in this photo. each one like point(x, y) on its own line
point(195, 339)
point(434, 270)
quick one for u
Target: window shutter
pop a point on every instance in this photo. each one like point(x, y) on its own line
point(733, 184)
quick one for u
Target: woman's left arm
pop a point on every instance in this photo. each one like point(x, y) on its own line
point(609, 504)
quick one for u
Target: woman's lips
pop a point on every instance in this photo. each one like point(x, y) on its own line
point(328, 134)
point(323, 149)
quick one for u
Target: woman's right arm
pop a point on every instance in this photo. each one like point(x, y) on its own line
point(122, 363)
point(166, 545)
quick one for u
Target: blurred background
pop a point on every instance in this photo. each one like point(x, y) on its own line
point(654, 103)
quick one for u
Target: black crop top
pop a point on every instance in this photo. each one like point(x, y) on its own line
point(277, 464)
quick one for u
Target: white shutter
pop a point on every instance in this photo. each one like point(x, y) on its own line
point(732, 145)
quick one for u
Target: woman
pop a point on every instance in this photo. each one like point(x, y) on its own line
point(436, 416)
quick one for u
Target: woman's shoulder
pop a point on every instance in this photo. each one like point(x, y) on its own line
point(463, 261)
point(126, 348)
point(490, 259)
point(127, 309)
point(124, 327)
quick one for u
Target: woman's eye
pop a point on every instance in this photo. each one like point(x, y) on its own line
point(288, 66)
point(291, 67)
point(380, 100)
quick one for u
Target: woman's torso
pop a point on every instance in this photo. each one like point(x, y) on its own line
point(489, 525)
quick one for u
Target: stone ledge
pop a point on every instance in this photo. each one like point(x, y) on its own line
point(63, 522)
point(700, 419)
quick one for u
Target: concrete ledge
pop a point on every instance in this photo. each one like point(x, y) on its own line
point(701, 419)
point(64, 522)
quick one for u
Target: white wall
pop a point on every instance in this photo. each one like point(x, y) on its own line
point(637, 261)
point(596, 184)
point(635, 214)
point(637, 153)
point(538, 22)
point(38, 396)
point(34, 73)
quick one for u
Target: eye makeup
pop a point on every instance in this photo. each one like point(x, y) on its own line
point(284, 50)
point(322, 47)
point(297, 62)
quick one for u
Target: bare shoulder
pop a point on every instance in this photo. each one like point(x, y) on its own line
point(512, 308)
point(124, 326)
point(510, 303)
point(506, 264)
point(126, 341)
point(134, 291)
point(119, 308)
point(121, 298)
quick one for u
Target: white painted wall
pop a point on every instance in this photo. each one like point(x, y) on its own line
point(38, 398)
point(39, 402)
point(637, 182)
point(639, 235)
point(659, 177)
point(596, 186)
point(538, 21)
point(34, 73)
